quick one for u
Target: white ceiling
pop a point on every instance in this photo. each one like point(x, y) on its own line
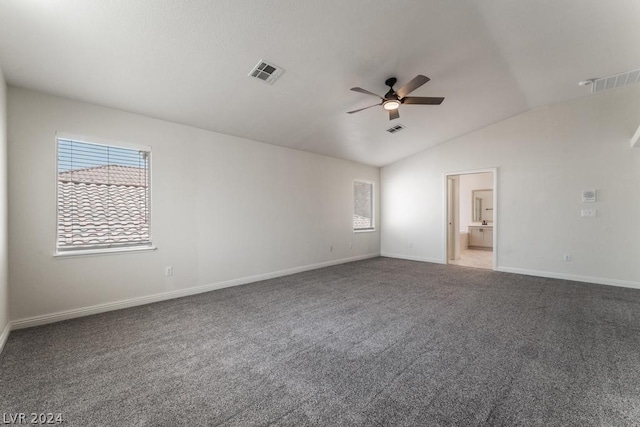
point(187, 62)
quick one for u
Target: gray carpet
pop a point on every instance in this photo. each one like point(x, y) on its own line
point(375, 342)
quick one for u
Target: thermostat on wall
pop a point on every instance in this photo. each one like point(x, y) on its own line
point(588, 196)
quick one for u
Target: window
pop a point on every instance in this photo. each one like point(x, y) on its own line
point(103, 196)
point(362, 206)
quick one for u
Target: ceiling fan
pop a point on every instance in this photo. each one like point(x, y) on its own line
point(392, 99)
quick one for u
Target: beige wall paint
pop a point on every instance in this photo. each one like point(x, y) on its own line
point(4, 289)
point(223, 208)
point(545, 158)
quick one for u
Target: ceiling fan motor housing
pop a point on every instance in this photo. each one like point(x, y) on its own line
point(391, 94)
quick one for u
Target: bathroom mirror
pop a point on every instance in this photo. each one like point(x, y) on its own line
point(482, 205)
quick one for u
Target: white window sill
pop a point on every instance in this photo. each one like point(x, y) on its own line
point(109, 251)
point(368, 230)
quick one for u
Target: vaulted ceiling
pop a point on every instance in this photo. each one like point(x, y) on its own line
point(187, 62)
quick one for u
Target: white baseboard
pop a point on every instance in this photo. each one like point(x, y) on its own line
point(132, 302)
point(178, 293)
point(572, 277)
point(413, 258)
point(4, 335)
point(537, 273)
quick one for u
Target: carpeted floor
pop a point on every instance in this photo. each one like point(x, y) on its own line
point(374, 342)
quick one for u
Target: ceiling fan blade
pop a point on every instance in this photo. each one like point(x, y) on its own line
point(394, 114)
point(424, 100)
point(355, 111)
point(366, 92)
point(414, 84)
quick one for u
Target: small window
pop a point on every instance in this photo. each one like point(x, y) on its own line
point(362, 206)
point(103, 196)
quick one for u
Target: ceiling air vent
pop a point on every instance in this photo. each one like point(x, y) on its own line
point(612, 82)
point(266, 72)
point(395, 129)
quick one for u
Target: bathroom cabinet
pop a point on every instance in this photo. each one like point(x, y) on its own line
point(481, 236)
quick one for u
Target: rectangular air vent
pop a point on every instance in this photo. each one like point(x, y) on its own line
point(266, 72)
point(395, 129)
point(612, 82)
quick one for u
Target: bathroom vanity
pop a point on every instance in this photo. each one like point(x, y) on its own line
point(481, 236)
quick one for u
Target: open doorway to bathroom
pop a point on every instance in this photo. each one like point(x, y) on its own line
point(471, 218)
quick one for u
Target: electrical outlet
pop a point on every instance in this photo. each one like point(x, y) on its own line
point(168, 271)
point(410, 244)
point(588, 213)
point(567, 257)
point(331, 248)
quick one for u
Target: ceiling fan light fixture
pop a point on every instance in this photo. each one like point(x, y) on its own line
point(391, 105)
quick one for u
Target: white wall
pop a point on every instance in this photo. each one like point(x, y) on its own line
point(4, 290)
point(544, 158)
point(468, 183)
point(223, 209)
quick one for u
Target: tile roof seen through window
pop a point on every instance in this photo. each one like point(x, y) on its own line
point(103, 206)
point(108, 174)
point(361, 222)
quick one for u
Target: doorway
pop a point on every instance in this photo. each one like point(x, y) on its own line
point(471, 220)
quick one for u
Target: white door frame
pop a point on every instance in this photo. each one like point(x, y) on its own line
point(453, 213)
point(495, 211)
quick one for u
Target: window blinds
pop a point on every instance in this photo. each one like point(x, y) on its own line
point(103, 196)
point(362, 205)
